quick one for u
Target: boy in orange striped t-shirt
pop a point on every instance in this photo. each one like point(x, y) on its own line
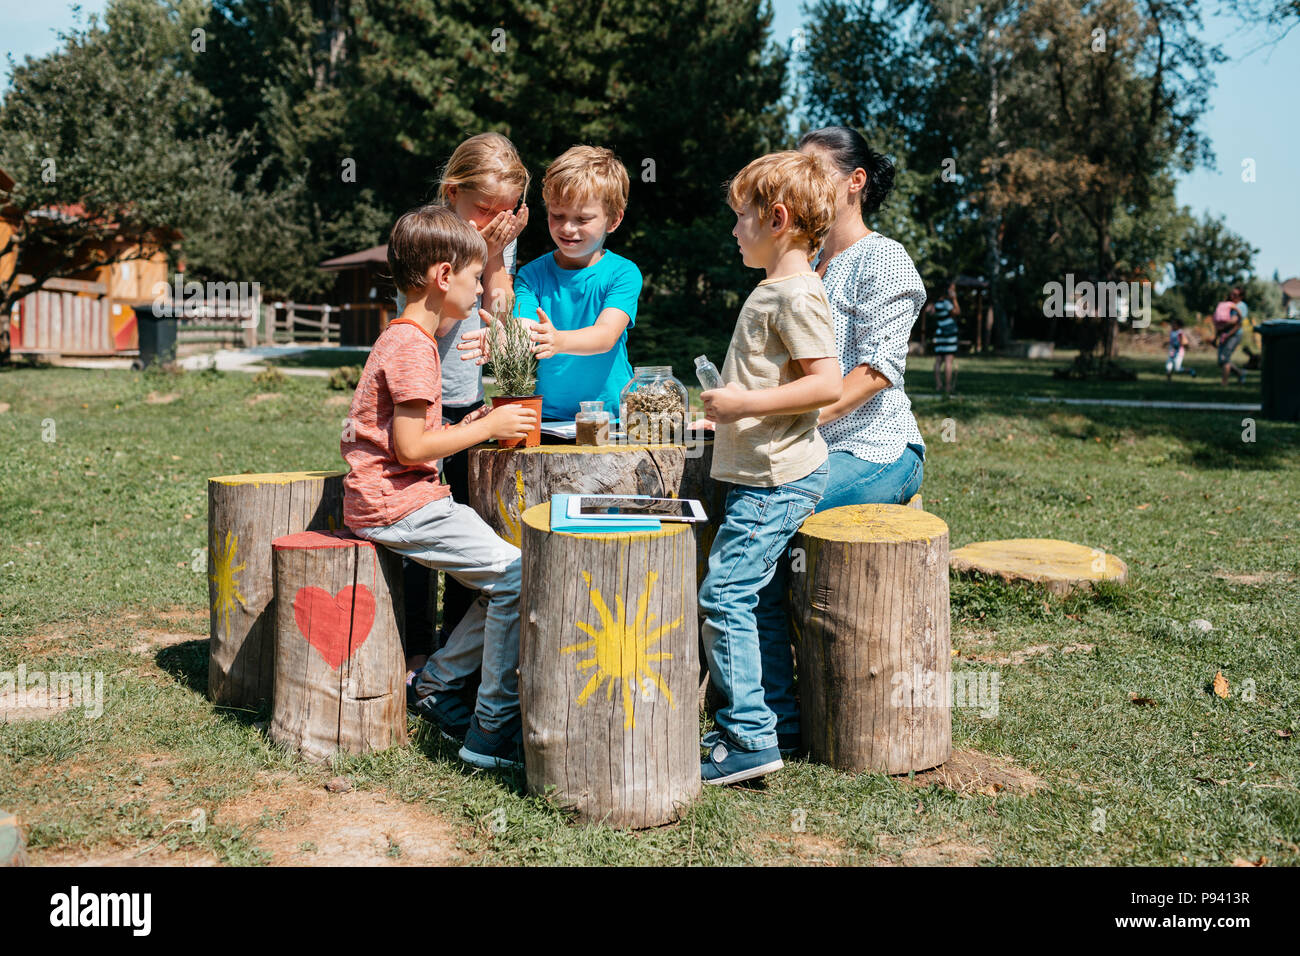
point(393, 494)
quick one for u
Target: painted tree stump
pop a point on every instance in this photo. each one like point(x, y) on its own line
point(915, 502)
point(340, 674)
point(1058, 566)
point(506, 482)
point(608, 671)
point(245, 513)
point(869, 593)
point(12, 849)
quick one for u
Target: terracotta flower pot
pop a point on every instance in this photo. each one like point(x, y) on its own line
point(534, 402)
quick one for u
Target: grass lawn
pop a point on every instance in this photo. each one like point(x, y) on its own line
point(102, 512)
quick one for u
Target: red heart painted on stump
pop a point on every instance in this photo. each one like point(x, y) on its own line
point(327, 619)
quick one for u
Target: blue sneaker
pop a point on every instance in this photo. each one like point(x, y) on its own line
point(728, 763)
point(493, 751)
point(445, 711)
point(788, 744)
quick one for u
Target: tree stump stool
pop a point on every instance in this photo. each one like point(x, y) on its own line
point(340, 674)
point(12, 850)
point(1057, 566)
point(869, 593)
point(608, 670)
point(245, 512)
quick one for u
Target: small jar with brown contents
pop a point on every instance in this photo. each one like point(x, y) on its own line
point(593, 424)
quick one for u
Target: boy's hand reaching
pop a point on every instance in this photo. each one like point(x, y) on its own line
point(726, 405)
point(545, 337)
point(511, 421)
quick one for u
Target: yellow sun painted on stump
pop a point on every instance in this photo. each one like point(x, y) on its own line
point(223, 574)
point(622, 648)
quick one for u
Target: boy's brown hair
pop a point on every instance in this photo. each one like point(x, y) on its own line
point(427, 235)
point(796, 180)
point(585, 172)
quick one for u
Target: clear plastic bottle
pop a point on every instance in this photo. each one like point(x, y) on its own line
point(707, 373)
point(653, 407)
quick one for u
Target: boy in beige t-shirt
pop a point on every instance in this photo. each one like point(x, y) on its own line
point(780, 369)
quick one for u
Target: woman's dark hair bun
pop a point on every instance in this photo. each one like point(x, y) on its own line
point(848, 150)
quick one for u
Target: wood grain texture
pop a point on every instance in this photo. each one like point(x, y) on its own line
point(245, 513)
point(340, 674)
point(608, 671)
point(871, 624)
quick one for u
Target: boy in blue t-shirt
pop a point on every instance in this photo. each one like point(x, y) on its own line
point(584, 296)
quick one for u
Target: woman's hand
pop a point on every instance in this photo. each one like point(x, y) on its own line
point(504, 229)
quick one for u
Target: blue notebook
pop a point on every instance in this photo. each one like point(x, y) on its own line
point(560, 521)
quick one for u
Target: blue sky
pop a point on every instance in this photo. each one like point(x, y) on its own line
point(1251, 115)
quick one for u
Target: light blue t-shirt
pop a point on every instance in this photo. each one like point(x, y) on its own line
point(573, 299)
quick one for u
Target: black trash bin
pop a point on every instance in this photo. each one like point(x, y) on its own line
point(157, 332)
point(1279, 374)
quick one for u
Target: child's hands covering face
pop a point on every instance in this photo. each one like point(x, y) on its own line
point(504, 229)
point(727, 404)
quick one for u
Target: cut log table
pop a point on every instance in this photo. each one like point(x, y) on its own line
point(12, 850)
point(340, 674)
point(506, 482)
point(1057, 566)
point(608, 671)
point(245, 513)
point(871, 624)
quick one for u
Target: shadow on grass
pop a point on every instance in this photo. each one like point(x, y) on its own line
point(188, 665)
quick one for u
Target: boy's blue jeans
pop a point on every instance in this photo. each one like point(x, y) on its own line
point(746, 639)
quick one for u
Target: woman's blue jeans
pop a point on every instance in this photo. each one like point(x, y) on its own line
point(747, 643)
point(857, 482)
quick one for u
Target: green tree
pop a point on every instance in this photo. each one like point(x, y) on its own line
point(1208, 261)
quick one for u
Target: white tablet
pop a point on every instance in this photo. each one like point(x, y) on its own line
point(614, 507)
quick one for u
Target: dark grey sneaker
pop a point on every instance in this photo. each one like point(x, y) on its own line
point(446, 711)
point(728, 763)
point(790, 745)
point(493, 751)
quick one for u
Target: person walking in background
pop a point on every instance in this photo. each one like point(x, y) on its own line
point(1227, 334)
point(945, 312)
point(1178, 342)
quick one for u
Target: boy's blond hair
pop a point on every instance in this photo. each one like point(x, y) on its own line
point(796, 180)
point(480, 158)
point(587, 172)
point(427, 235)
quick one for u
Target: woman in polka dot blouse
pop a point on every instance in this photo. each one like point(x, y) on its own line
point(877, 454)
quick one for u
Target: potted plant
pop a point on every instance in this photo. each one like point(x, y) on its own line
point(515, 369)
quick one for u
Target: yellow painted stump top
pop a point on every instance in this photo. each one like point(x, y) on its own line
point(538, 517)
point(1040, 560)
point(274, 478)
point(872, 524)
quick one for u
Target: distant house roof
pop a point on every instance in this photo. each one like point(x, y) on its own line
point(1291, 288)
point(375, 255)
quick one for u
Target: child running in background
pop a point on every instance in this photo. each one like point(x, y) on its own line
point(1178, 342)
point(393, 496)
point(583, 295)
point(782, 366)
point(484, 183)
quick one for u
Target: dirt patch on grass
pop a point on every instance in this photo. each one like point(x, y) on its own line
point(154, 398)
point(262, 397)
point(312, 827)
point(946, 851)
point(1024, 653)
point(969, 772)
point(338, 400)
point(36, 704)
point(1258, 577)
point(151, 639)
point(805, 849)
point(118, 856)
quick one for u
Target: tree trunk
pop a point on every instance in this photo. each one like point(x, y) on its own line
point(872, 635)
point(609, 671)
point(245, 513)
point(340, 673)
point(13, 851)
